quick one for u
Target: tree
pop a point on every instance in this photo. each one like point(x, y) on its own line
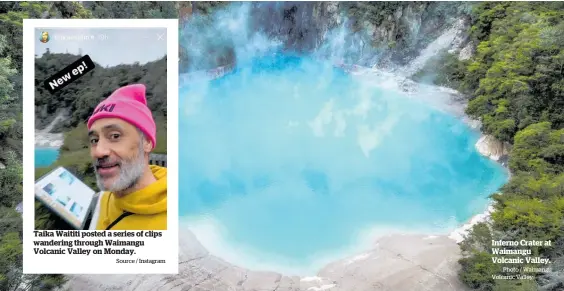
point(477, 271)
point(538, 149)
point(69, 9)
point(12, 27)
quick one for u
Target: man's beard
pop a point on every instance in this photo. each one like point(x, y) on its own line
point(130, 171)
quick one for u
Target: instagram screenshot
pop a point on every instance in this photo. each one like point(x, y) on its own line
point(100, 182)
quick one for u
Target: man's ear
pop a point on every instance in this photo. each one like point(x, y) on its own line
point(147, 145)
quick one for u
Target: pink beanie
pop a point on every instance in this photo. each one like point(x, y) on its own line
point(130, 104)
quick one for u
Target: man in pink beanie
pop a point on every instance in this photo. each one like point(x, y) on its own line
point(122, 134)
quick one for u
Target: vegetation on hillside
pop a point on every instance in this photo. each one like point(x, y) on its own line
point(11, 277)
point(127, 9)
point(11, 15)
point(516, 86)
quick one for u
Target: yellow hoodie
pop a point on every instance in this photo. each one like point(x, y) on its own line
point(148, 206)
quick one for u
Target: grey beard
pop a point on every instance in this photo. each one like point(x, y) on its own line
point(130, 173)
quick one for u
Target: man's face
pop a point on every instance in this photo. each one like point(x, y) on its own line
point(118, 154)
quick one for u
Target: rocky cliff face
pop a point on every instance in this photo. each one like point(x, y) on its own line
point(492, 148)
point(372, 32)
point(301, 26)
point(364, 33)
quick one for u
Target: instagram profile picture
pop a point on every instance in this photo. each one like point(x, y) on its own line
point(44, 37)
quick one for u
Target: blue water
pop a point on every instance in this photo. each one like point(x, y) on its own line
point(45, 157)
point(285, 161)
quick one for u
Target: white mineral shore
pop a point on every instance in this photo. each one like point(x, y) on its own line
point(460, 233)
point(395, 262)
point(51, 140)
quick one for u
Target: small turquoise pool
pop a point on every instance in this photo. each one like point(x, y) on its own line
point(45, 157)
point(287, 164)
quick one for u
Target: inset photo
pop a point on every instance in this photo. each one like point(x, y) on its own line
point(49, 188)
point(67, 177)
point(64, 200)
point(101, 130)
point(76, 209)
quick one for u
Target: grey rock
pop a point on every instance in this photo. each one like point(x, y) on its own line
point(467, 52)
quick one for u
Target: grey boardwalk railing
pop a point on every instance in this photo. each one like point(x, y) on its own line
point(157, 159)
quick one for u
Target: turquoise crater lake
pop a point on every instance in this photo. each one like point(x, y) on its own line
point(46, 156)
point(287, 163)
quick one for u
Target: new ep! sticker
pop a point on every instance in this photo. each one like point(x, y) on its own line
point(69, 74)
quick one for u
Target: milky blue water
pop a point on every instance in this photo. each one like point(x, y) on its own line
point(45, 156)
point(285, 162)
